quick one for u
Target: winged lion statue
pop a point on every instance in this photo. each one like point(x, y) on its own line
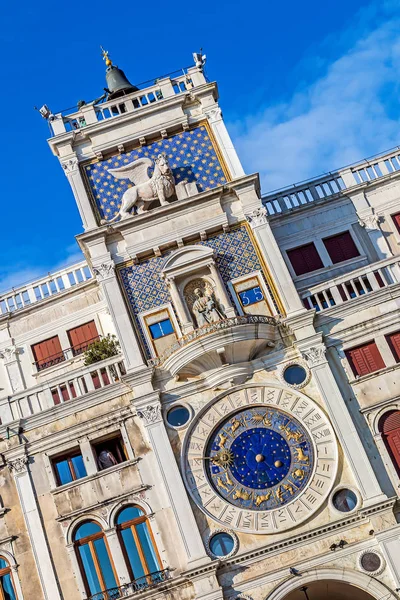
point(160, 186)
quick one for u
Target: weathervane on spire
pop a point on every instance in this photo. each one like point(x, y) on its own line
point(106, 58)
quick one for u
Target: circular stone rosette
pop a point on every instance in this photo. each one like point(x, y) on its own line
point(260, 459)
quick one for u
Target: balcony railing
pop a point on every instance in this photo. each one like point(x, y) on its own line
point(327, 186)
point(360, 282)
point(40, 289)
point(208, 329)
point(63, 388)
point(64, 355)
point(90, 114)
point(138, 585)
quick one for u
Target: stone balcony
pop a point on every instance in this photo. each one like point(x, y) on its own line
point(345, 289)
point(130, 590)
point(61, 388)
point(234, 340)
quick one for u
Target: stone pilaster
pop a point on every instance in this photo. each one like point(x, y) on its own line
point(150, 413)
point(314, 355)
point(44, 564)
point(10, 356)
point(71, 170)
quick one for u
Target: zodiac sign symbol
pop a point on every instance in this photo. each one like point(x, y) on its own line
point(228, 479)
point(291, 435)
point(222, 485)
point(242, 494)
point(262, 498)
point(288, 488)
point(266, 419)
point(298, 474)
point(235, 424)
point(279, 494)
point(222, 440)
point(301, 457)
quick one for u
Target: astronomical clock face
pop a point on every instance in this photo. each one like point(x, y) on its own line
point(260, 459)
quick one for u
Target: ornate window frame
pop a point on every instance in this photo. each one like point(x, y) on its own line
point(222, 530)
point(371, 551)
point(343, 486)
point(153, 311)
point(261, 282)
point(292, 363)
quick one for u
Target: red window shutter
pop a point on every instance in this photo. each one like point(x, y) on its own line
point(81, 336)
point(305, 259)
point(396, 220)
point(389, 426)
point(393, 340)
point(341, 247)
point(47, 350)
point(365, 359)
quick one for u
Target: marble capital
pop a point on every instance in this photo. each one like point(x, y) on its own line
point(104, 271)
point(9, 354)
point(259, 216)
point(314, 356)
point(150, 414)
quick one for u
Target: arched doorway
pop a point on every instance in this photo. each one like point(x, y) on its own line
point(328, 590)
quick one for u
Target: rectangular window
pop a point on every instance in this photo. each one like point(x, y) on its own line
point(341, 247)
point(48, 353)
point(393, 339)
point(69, 467)
point(251, 296)
point(161, 329)
point(365, 359)
point(110, 451)
point(396, 221)
point(81, 337)
point(305, 259)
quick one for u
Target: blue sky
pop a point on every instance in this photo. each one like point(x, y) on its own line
point(305, 88)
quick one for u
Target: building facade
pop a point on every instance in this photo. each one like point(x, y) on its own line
point(207, 407)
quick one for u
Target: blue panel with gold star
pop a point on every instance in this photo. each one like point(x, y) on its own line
point(192, 158)
point(145, 289)
point(260, 459)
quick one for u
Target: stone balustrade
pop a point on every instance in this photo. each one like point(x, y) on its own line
point(90, 114)
point(362, 281)
point(40, 289)
point(320, 189)
point(64, 387)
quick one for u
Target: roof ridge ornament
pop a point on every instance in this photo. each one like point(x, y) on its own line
point(106, 58)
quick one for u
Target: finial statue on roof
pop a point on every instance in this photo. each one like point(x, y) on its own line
point(199, 59)
point(106, 58)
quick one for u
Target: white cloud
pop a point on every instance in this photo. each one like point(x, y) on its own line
point(22, 274)
point(349, 113)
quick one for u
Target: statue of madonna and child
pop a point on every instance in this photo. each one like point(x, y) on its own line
point(206, 307)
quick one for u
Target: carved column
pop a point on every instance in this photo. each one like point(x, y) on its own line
point(286, 289)
point(105, 275)
point(222, 294)
point(214, 116)
point(371, 222)
point(169, 471)
point(44, 564)
point(180, 306)
point(71, 170)
point(10, 356)
point(345, 429)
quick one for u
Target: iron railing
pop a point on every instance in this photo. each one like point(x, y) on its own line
point(137, 585)
point(55, 359)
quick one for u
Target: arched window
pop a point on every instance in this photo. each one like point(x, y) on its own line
point(7, 591)
point(137, 542)
point(94, 558)
point(389, 426)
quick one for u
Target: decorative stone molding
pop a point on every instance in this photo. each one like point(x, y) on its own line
point(361, 561)
point(70, 166)
point(104, 271)
point(314, 356)
point(150, 414)
point(9, 354)
point(233, 536)
point(292, 363)
point(370, 221)
point(259, 216)
point(19, 465)
point(215, 114)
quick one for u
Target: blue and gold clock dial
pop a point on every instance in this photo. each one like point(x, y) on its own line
point(260, 458)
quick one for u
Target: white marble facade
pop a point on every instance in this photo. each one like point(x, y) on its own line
point(228, 359)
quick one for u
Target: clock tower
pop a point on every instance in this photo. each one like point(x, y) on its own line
point(248, 446)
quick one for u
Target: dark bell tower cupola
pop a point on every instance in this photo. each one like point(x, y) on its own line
point(117, 83)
